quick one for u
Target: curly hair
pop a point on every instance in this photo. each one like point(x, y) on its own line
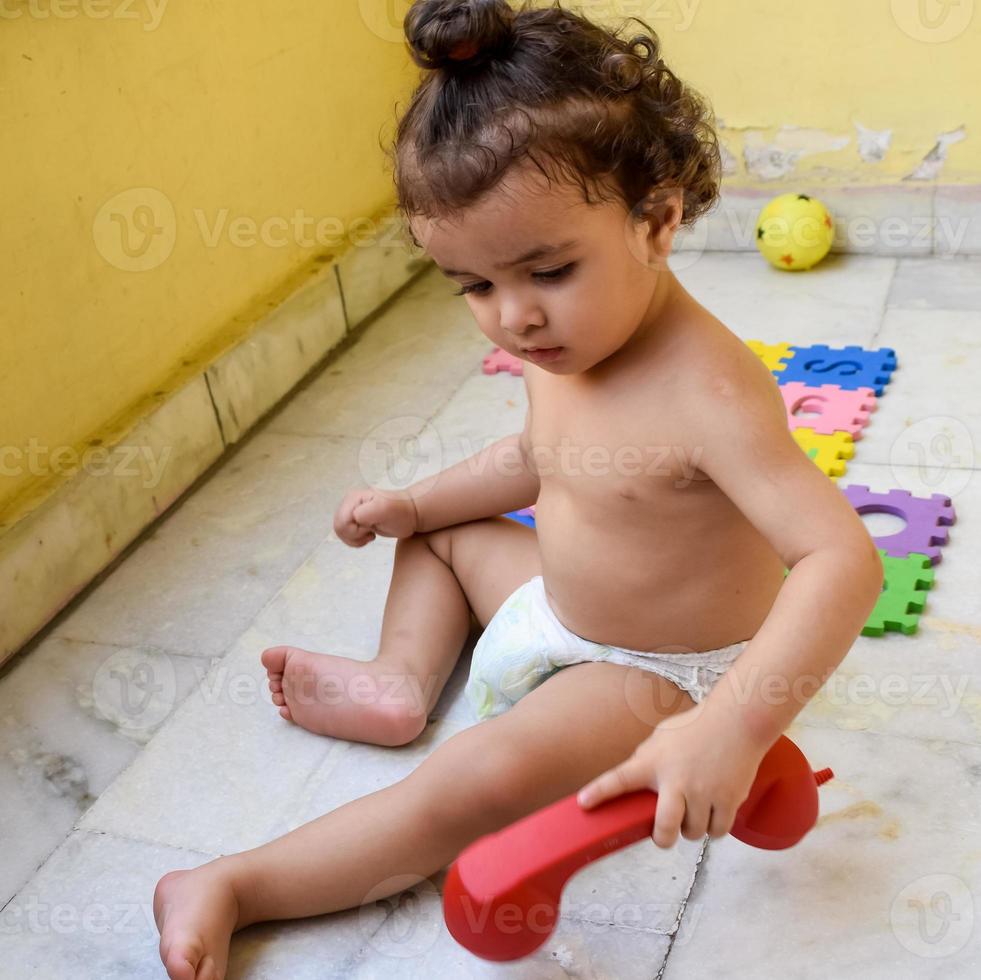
point(544, 84)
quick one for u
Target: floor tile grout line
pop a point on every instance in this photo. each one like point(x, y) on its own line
point(162, 651)
point(76, 829)
point(625, 928)
point(97, 832)
point(884, 308)
point(692, 885)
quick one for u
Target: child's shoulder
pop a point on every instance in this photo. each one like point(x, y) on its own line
point(712, 364)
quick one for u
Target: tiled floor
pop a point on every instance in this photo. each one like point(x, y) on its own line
point(138, 737)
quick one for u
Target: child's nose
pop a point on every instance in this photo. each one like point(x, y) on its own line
point(519, 316)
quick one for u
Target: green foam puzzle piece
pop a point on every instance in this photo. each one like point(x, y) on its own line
point(905, 581)
point(903, 597)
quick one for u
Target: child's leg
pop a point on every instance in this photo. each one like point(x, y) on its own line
point(437, 578)
point(577, 724)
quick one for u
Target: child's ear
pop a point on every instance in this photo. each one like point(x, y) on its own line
point(662, 210)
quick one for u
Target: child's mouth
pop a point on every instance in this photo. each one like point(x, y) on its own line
point(545, 353)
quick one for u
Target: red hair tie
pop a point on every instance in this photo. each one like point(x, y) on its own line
point(464, 51)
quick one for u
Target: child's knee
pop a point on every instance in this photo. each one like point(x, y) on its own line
point(482, 778)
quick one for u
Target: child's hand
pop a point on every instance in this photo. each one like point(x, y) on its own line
point(701, 769)
point(365, 513)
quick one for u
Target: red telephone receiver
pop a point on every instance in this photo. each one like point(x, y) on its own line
point(501, 896)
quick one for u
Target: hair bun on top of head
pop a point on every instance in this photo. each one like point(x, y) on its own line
point(455, 33)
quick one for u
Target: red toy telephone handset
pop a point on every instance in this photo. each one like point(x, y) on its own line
point(501, 896)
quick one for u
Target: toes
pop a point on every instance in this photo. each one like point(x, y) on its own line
point(274, 659)
point(181, 961)
point(276, 684)
point(278, 699)
point(285, 712)
point(208, 969)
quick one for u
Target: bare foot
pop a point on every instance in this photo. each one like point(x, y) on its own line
point(196, 913)
point(359, 700)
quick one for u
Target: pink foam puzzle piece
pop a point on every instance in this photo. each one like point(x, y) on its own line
point(501, 360)
point(839, 409)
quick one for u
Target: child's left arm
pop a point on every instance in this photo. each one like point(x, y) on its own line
point(705, 759)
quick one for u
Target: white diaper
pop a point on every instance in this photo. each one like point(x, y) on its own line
point(524, 643)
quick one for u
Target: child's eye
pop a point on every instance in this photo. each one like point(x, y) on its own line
point(552, 275)
point(477, 288)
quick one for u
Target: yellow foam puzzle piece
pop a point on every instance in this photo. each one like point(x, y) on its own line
point(772, 355)
point(828, 452)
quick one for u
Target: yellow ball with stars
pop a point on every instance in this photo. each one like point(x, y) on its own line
point(794, 232)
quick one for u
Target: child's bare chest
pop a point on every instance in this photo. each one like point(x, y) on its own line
point(619, 452)
point(625, 514)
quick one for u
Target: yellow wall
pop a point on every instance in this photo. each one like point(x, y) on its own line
point(911, 67)
point(273, 111)
point(268, 110)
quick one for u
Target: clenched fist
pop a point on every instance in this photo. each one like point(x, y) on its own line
point(364, 513)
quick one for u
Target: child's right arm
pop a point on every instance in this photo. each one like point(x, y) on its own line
point(494, 481)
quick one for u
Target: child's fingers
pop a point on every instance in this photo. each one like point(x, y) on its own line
point(363, 514)
point(667, 820)
point(721, 821)
point(348, 527)
point(696, 820)
point(614, 782)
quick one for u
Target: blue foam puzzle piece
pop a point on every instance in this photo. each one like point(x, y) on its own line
point(850, 367)
point(521, 518)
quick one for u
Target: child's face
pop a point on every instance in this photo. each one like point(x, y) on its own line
point(587, 298)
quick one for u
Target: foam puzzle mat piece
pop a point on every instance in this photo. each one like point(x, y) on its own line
point(827, 452)
point(923, 533)
point(838, 409)
point(903, 597)
point(850, 367)
point(772, 355)
point(500, 360)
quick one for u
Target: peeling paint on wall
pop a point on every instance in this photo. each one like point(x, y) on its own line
point(771, 159)
point(730, 162)
point(933, 162)
point(872, 143)
point(754, 154)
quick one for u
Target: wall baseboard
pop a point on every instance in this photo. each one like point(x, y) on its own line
point(907, 219)
point(74, 526)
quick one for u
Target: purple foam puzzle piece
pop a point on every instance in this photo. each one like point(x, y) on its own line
point(923, 515)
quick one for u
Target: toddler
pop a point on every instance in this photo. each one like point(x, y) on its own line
point(643, 634)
